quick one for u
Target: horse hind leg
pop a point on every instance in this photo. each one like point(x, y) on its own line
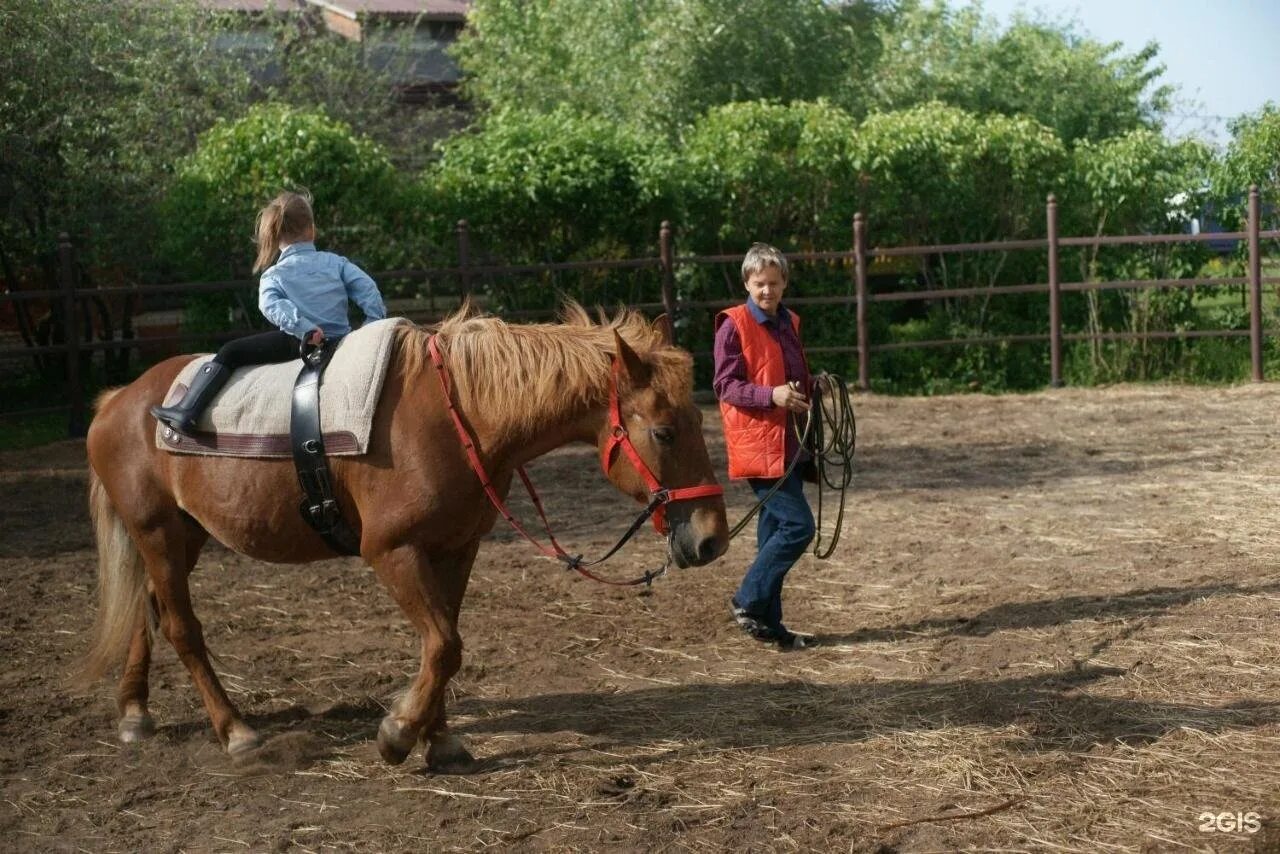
point(136, 723)
point(123, 624)
point(169, 551)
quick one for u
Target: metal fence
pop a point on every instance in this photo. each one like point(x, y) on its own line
point(70, 301)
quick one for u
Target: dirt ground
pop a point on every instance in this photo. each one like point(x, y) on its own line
point(1051, 626)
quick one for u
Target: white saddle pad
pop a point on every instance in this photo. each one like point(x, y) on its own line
point(250, 416)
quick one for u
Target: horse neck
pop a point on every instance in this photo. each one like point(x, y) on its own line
point(515, 448)
point(509, 440)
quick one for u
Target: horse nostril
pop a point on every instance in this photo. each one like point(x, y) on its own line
point(707, 550)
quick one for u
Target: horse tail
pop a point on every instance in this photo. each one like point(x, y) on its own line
point(122, 586)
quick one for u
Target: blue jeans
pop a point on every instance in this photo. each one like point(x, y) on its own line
point(784, 530)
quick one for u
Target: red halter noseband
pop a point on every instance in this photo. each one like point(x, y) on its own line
point(618, 438)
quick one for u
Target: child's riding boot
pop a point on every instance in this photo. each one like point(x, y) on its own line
point(182, 416)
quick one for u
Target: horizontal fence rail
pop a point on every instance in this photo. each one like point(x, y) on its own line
point(68, 296)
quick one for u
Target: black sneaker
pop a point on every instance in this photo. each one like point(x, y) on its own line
point(752, 625)
point(787, 639)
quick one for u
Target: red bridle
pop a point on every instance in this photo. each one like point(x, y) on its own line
point(618, 438)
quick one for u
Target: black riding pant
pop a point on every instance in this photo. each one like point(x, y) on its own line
point(265, 348)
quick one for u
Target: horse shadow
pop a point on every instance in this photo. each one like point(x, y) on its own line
point(1048, 708)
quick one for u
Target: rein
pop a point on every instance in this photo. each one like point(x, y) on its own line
point(659, 497)
point(830, 436)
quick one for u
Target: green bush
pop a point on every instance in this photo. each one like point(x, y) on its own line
point(238, 166)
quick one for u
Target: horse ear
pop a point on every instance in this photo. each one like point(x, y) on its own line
point(663, 324)
point(632, 365)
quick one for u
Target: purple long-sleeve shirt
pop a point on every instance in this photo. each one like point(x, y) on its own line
point(731, 383)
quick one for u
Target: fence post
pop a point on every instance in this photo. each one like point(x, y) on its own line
point(860, 286)
point(667, 260)
point(1055, 295)
point(464, 256)
point(1255, 285)
point(71, 335)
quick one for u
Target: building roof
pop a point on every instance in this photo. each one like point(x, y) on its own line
point(248, 5)
point(434, 10)
point(438, 10)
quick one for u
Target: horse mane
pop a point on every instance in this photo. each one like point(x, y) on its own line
point(520, 373)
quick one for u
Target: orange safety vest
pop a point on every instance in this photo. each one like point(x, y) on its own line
point(756, 439)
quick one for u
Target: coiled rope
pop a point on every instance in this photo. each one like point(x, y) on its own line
point(830, 436)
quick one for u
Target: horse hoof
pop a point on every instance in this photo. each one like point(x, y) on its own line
point(135, 727)
point(463, 763)
point(242, 740)
point(450, 756)
point(395, 741)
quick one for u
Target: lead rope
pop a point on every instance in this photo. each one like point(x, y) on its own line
point(555, 551)
point(830, 432)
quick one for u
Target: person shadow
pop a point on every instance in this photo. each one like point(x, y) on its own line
point(1040, 613)
point(1051, 710)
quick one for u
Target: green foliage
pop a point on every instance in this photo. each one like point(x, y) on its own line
point(621, 59)
point(938, 174)
point(1047, 71)
point(1253, 157)
point(99, 98)
point(32, 432)
point(545, 187)
point(759, 170)
point(550, 187)
point(658, 64)
point(1138, 181)
point(239, 166)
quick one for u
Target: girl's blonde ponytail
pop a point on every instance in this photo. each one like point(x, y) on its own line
point(286, 218)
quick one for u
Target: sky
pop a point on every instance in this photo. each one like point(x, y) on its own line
point(1223, 55)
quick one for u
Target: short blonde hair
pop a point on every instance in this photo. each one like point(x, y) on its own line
point(762, 255)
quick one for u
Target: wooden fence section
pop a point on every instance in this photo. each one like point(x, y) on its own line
point(68, 297)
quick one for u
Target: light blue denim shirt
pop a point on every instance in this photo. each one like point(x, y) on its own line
point(306, 290)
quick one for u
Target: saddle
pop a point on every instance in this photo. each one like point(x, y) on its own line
point(275, 411)
point(250, 417)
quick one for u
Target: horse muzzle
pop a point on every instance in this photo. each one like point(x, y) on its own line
point(693, 542)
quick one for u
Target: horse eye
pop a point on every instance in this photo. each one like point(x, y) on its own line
point(664, 435)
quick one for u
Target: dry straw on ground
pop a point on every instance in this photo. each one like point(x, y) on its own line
point(1052, 626)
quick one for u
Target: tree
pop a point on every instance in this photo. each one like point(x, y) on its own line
point(1253, 157)
point(939, 174)
point(240, 165)
point(764, 171)
point(545, 188)
point(99, 99)
point(1134, 183)
point(1082, 88)
point(658, 64)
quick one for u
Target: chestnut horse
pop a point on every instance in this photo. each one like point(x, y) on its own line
point(417, 506)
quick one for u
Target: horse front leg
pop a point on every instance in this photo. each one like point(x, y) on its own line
point(429, 590)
